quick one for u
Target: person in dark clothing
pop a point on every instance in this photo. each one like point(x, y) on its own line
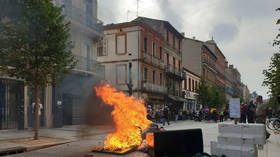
point(251, 111)
point(166, 115)
point(243, 113)
point(215, 116)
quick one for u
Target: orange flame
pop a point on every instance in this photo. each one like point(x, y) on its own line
point(129, 117)
point(150, 139)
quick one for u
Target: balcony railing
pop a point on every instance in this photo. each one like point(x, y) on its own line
point(154, 60)
point(89, 65)
point(77, 14)
point(154, 88)
point(161, 63)
point(171, 70)
point(147, 58)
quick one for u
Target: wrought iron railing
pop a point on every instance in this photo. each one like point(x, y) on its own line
point(154, 88)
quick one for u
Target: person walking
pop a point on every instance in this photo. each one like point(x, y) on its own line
point(166, 115)
point(221, 116)
point(243, 113)
point(176, 115)
point(251, 112)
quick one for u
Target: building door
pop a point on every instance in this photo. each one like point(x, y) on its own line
point(11, 104)
point(67, 103)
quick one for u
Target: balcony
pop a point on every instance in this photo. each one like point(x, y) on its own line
point(77, 15)
point(88, 65)
point(154, 60)
point(209, 65)
point(171, 71)
point(161, 64)
point(152, 88)
point(147, 58)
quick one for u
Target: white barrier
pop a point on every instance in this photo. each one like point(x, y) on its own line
point(238, 140)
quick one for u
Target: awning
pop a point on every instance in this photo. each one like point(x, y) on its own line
point(176, 98)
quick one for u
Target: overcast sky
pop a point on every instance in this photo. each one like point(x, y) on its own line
point(243, 29)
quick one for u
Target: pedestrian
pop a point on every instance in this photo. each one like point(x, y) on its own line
point(215, 116)
point(161, 115)
point(261, 113)
point(166, 114)
point(243, 110)
point(251, 111)
point(221, 116)
point(39, 110)
point(176, 115)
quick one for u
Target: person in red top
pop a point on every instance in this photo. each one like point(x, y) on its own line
point(243, 113)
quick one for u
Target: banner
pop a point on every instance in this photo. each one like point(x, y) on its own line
point(234, 108)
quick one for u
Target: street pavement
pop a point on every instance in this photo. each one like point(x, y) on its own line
point(81, 147)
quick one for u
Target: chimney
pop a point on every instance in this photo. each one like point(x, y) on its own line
point(193, 37)
point(183, 33)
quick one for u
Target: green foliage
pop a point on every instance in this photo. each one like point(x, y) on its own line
point(217, 97)
point(210, 96)
point(34, 42)
point(203, 92)
point(272, 74)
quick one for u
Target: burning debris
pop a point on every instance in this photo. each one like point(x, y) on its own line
point(130, 120)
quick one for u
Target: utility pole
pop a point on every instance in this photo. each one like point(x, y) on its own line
point(130, 85)
point(137, 7)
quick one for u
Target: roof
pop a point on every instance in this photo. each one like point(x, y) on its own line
point(156, 25)
point(212, 53)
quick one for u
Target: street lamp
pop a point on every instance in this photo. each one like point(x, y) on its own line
point(130, 85)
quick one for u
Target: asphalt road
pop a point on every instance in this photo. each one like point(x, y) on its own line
point(83, 146)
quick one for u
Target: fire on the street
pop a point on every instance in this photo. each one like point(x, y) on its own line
point(130, 119)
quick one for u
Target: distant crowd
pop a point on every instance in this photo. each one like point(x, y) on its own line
point(165, 115)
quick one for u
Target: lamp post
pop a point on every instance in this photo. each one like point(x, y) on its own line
point(130, 85)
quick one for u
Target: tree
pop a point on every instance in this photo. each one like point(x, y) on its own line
point(34, 45)
point(217, 97)
point(272, 74)
point(203, 92)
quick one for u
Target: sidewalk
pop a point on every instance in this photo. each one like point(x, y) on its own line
point(49, 137)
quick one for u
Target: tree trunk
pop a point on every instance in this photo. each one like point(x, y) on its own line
point(36, 125)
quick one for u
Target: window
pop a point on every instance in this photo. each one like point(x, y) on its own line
point(174, 41)
point(102, 48)
point(154, 77)
point(190, 84)
point(179, 44)
point(179, 65)
point(121, 44)
point(167, 59)
point(121, 74)
point(167, 36)
point(160, 53)
point(174, 62)
point(145, 45)
point(185, 84)
point(196, 85)
point(160, 79)
point(145, 74)
point(154, 49)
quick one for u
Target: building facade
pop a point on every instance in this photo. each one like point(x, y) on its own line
point(63, 104)
point(209, 70)
point(70, 95)
point(153, 49)
point(191, 62)
point(189, 86)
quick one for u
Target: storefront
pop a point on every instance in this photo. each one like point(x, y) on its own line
point(190, 103)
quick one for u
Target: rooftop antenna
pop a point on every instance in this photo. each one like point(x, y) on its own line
point(137, 7)
point(127, 15)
